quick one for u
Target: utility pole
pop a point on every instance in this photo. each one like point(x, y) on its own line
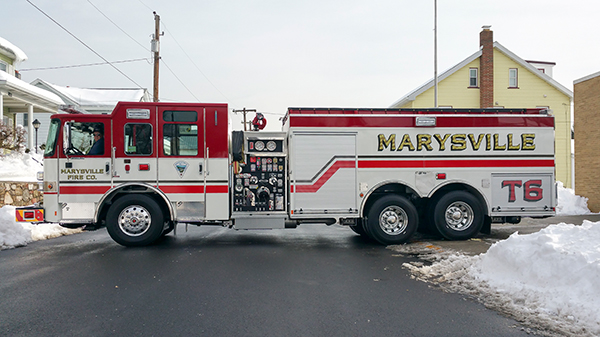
point(155, 46)
point(245, 111)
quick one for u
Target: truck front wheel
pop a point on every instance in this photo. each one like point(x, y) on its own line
point(458, 215)
point(392, 220)
point(135, 220)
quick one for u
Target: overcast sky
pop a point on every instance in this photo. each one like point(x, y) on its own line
point(273, 54)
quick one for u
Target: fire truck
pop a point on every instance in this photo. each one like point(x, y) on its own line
point(384, 173)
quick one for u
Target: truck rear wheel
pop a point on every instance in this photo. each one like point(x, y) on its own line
point(135, 220)
point(458, 215)
point(392, 220)
point(359, 229)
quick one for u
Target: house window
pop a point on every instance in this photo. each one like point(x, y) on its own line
point(473, 78)
point(3, 66)
point(513, 78)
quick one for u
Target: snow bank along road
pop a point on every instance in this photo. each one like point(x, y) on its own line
point(546, 274)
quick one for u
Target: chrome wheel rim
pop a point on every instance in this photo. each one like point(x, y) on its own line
point(459, 216)
point(134, 220)
point(393, 220)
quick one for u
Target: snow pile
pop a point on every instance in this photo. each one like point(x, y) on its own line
point(21, 167)
point(547, 280)
point(20, 84)
point(18, 53)
point(14, 234)
point(569, 203)
point(100, 96)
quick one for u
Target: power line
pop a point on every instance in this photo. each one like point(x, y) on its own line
point(145, 5)
point(111, 21)
point(191, 60)
point(83, 43)
point(124, 32)
point(166, 65)
point(194, 63)
point(273, 113)
point(85, 65)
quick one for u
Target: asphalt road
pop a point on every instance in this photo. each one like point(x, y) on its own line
point(311, 281)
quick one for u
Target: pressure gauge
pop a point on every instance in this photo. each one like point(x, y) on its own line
point(271, 145)
point(259, 145)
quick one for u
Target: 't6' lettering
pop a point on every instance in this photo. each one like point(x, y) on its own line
point(532, 189)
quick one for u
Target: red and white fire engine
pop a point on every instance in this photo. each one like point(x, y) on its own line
point(382, 172)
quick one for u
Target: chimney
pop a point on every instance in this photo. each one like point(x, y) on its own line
point(486, 64)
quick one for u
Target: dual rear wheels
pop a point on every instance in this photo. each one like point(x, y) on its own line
point(393, 219)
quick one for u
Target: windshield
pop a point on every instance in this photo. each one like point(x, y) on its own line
point(52, 137)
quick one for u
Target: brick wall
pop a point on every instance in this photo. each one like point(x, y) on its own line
point(19, 193)
point(486, 63)
point(587, 140)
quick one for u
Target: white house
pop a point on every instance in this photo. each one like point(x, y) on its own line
point(19, 98)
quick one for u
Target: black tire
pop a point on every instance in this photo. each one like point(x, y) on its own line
point(359, 228)
point(458, 215)
point(135, 220)
point(169, 229)
point(392, 220)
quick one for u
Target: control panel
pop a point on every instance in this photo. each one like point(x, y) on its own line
point(259, 185)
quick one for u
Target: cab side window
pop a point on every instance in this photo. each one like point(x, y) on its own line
point(87, 139)
point(138, 139)
point(180, 138)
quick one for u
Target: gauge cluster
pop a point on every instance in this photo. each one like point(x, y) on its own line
point(265, 145)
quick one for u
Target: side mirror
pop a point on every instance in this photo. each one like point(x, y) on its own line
point(66, 137)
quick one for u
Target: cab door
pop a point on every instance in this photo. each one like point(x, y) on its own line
point(134, 146)
point(181, 162)
point(83, 168)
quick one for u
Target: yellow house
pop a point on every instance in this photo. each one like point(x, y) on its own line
point(494, 77)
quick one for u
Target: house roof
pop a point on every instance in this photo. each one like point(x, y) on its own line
point(18, 93)
point(93, 98)
point(411, 96)
point(12, 51)
point(588, 77)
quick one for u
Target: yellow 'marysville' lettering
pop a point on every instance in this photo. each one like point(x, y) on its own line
point(457, 142)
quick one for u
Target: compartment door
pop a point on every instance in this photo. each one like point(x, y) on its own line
point(324, 174)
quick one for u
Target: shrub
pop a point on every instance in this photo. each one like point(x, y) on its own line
point(12, 139)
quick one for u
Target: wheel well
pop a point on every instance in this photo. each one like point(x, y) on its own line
point(132, 189)
point(387, 189)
